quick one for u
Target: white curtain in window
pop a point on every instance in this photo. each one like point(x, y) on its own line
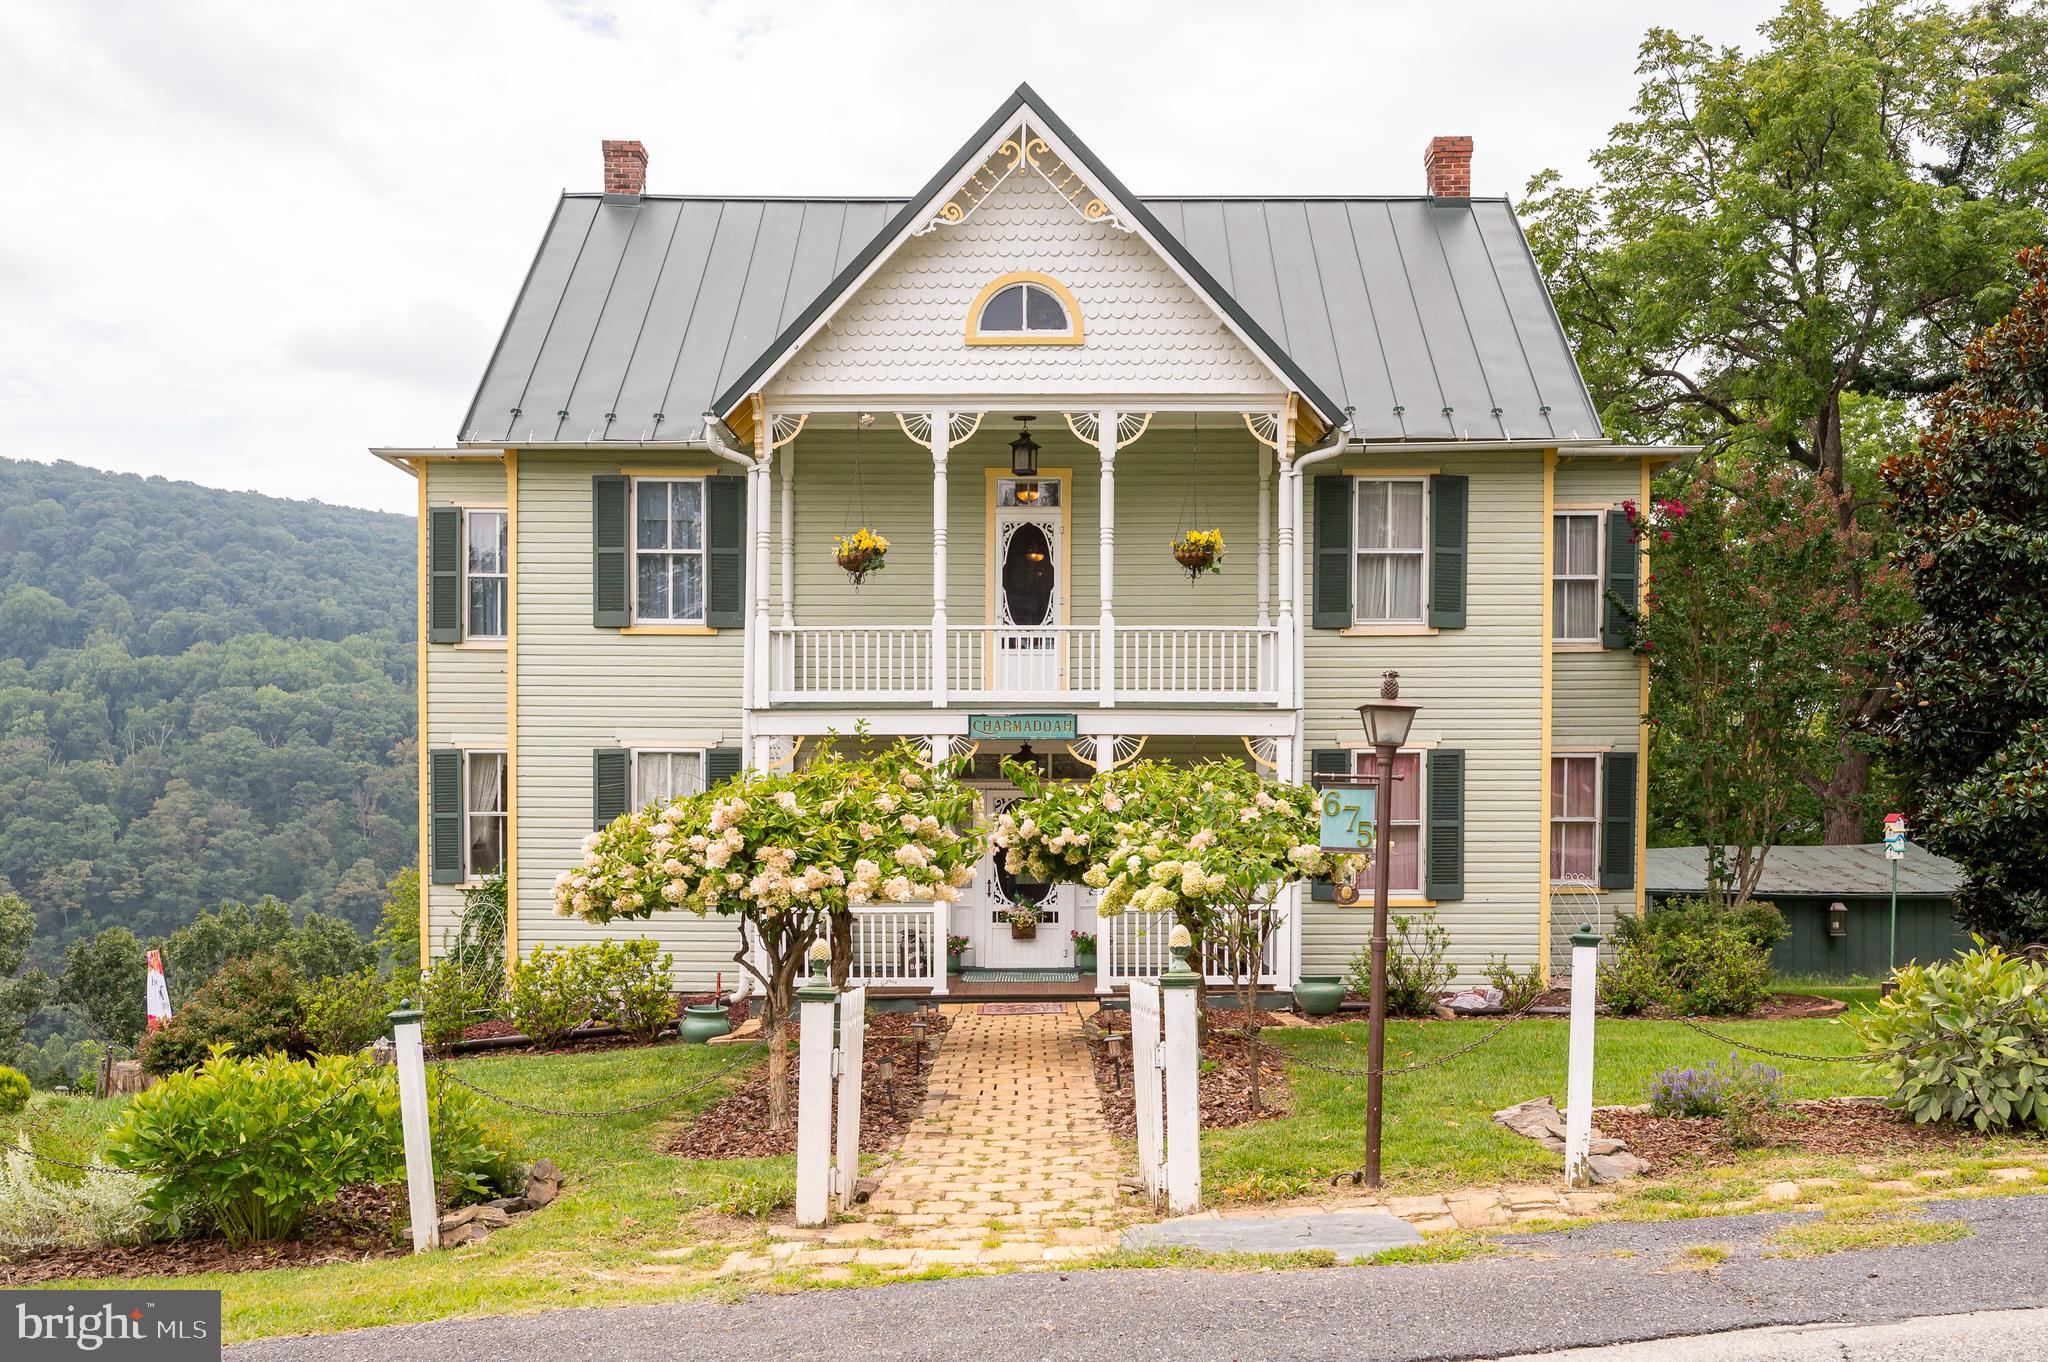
point(665, 775)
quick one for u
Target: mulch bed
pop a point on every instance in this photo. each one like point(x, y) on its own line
point(737, 1127)
point(356, 1229)
point(1837, 1127)
point(1225, 1082)
point(497, 1028)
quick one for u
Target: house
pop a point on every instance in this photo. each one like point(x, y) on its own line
point(1838, 902)
point(1030, 380)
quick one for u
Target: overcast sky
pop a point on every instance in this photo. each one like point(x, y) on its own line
point(245, 241)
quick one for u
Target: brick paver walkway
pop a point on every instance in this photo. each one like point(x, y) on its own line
point(1009, 1162)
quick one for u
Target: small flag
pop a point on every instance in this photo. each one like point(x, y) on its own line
point(1895, 837)
point(159, 994)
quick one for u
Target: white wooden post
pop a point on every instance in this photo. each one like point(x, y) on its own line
point(1145, 1098)
point(411, 1061)
point(853, 1021)
point(1578, 1099)
point(1183, 1077)
point(757, 575)
point(942, 443)
point(1290, 556)
point(1265, 536)
point(814, 1099)
point(788, 542)
point(1105, 661)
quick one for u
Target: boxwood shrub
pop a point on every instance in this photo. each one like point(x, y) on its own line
point(1966, 1040)
point(1693, 957)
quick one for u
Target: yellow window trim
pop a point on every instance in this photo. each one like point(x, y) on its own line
point(1390, 630)
point(671, 630)
point(1587, 646)
point(1045, 281)
point(480, 645)
point(1390, 472)
point(669, 472)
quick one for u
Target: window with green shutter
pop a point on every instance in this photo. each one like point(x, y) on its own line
point(608, 776)
point(1615, 629)
point(721, 763)
point(1618, 821)
point(444, 824)
point(1444, 849)
point(610, 548)
point(1330, 595)
point(1449, 495)
point(725, 542)
point(444, 575)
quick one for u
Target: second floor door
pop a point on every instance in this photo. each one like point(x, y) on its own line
point(1029, 593)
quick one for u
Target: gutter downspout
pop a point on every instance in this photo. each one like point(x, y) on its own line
point(1334, 444)
point(715, 441)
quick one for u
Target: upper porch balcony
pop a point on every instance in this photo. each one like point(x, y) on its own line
point(1006, 587)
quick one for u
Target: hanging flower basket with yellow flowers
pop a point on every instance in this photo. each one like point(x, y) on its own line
point(1199, 551)
point(860, 553)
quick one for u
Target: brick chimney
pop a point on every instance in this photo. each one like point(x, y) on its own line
point(1447, 166)
point(625, 168)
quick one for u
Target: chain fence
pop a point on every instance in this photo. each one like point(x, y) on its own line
point(571, 1114)
point(1276, 1052)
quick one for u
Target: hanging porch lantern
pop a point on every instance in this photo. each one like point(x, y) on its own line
point(1024, 451)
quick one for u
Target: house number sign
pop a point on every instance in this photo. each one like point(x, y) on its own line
point(1347, 814)
point(1027, 727)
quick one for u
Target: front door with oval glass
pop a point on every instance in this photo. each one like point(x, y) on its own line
point(997, 894)
point(1030, 597)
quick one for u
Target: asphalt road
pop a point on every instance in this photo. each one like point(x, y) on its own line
point(1609, 1284)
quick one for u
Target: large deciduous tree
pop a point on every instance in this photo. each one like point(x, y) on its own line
point(790, 854)
point(1211, 844)
point(1969, 717)
point(1776, 232)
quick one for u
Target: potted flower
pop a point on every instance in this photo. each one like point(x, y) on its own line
point(860, 553)
point(1023, 920)
point(1084, 951)
point(956, 947)
point(1199, 551)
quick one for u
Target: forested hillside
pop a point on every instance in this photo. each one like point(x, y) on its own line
point(203, 695)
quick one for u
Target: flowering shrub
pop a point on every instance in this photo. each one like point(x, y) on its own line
point(791, 853)
point(1212, 844)
point(1709, 1089)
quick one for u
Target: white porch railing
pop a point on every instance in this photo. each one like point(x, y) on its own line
point(898, 946)
point(1060, 664)
point(1136, 946)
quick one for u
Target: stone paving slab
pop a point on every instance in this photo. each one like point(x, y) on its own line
point(1348, 1234)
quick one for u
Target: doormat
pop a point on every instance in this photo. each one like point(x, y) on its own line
point(1020, 976)
point(1021, 1009)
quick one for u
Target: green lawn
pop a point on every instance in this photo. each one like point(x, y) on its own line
point(624, 1202)
point(1438, 1130)
point(1856, 991)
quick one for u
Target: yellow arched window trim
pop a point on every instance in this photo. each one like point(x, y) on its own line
point(1045, 281)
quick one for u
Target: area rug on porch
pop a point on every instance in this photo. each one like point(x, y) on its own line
point(1020, 976)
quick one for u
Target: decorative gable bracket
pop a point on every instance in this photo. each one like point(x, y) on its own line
point(1023, 149)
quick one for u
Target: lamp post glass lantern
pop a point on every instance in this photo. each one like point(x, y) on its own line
point(1387, 721)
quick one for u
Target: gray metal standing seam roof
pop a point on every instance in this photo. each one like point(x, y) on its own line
point(1428, 318)
point(1859, 868)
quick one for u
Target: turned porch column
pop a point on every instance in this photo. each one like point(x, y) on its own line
point(1290, 561)
point(789, 537)
point(1265, 536)
point(1105, 662)
point(942, 438)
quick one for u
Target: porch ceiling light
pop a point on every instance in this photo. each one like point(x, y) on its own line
point(1388, 718)
point(1024, 451)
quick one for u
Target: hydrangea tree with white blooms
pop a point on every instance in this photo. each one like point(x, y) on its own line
point(790, 854)
point(1213, 844)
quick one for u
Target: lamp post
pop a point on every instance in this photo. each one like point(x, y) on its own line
point(1386, 721)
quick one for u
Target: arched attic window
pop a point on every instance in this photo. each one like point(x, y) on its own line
point(1024, 309)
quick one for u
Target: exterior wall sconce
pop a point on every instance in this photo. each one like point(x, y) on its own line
point(1838, 918)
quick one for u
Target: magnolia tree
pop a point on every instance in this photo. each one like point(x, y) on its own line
point(790, 854)
point(1212, 844)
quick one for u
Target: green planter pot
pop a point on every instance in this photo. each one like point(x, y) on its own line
point(953, 962)
point(1084, 961)
point(1319, 994)
point(702, 1021)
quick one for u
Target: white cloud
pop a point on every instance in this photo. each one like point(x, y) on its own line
point(245, 240)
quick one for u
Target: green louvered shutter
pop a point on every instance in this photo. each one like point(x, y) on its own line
point(444, 575)
point(1327, 761)
point(725, 552)
point(721, 764)
point(1330, 599)
point(1615, 629)
point(607, 784)
point(1618, 821)
point(1449, 495)
point(1444, 879)
point(610, 549)
point(444, 797)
